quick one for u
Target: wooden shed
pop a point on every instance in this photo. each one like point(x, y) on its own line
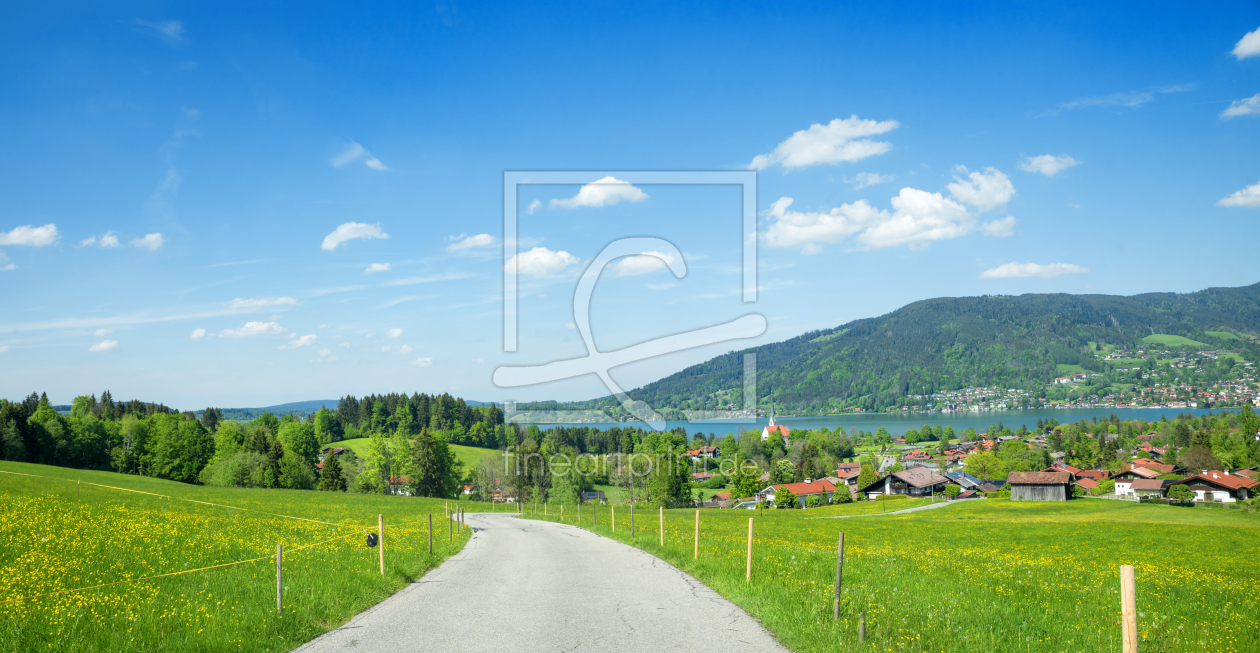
point(1040, 486)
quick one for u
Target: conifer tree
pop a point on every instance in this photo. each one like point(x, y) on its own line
point(331, 478)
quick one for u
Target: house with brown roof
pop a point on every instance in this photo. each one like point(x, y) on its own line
point(1147, 487)
point(1124, 480)
point(1040, 486)
point(915, 482)
point(1215, 486)
point(1157, 466)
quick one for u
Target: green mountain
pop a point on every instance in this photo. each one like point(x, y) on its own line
point(957, 342)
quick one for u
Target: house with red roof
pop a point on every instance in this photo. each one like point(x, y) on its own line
point(808, 488)
point(1215, 486)
point(1157, 466)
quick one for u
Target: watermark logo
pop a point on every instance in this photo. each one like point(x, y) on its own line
point(600, 363)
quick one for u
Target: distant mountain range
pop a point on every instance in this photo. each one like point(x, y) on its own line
point(956, 342)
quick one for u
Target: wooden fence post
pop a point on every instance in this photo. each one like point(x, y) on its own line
point(697, 555)
point(839, 575)
point(562, 513)
point(748, 568)
point(380, 534)
point(1128, 610)
point(632, 521)
point(861, 627)
point(662, 525)
point(280, 578)
point(430, 533)
point(612, 515)
point(450, 529)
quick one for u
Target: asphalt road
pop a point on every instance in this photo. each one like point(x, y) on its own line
point(522, 585)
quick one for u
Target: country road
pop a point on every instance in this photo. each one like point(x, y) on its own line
point(523, 585)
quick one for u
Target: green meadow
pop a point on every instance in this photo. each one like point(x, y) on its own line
point(1172, 341)
point(980, 576)
point(62, 530)
point(470, 456)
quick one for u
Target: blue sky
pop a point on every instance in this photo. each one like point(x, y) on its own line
point(174, 179)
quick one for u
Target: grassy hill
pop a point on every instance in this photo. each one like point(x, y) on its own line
point(1181, 341)
point(955, 342)
point(470, 456)
point(987, 575)
point(64, 529)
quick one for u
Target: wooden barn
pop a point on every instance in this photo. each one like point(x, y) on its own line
point(1040, 486)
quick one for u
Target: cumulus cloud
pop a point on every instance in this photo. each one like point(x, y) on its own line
point(918, 218)
point(1015, 270)
point(464, 241)
point(1000, 228)
point(642, 264)
point(809, 231)
point(406, 349)
point(352, 231)
point(863, 179)
point(1248, 46)
point(1047, 164)
point(198, 334)
point(324, 352)
point(533, 206)
point(393, 333)
point(423, 362)
point(836, 142)
point(1245, 107)
point(104, 345)
point(986, 190)
point(354, 152)
point(259, 304)
point(541, 262)
point(150, 242)
point(1248, 197)
point(295, 341)
point(108, 241)
point(377, 267)
point(603, 192)
point(253, 329)
point(31, 236)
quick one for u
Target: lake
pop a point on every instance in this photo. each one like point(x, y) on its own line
point(900, 423)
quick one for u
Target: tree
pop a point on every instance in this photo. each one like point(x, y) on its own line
point(331, 478)
point(210, 418)
point(783, 471)
point(296, 473)
point(434, 469)
point(783, 498)
point(866, 476)
point(984, 465)
point(842, 494)
point(747, 481)
point(327, 428)
point(1181, 493)
point(1199, 458)
point(669, 484)
point(952, 490)
point(299, 439)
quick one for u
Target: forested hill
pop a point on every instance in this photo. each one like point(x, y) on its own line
point(956, 342)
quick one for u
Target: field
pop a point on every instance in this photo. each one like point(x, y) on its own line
point(1070, 369)
point(1172, 341)
point(981, 576)
point(1224, 335)
point(470, 456)
point(57, 535)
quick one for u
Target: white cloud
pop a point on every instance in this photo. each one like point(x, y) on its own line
point(171, 31)
point(422, 362)
point(295, 342)
point(642, 264)
point(259, 304)
point(386, 348)
point(4, 348)
point(377, 267)
point(1000, 228)
point(324, 352)
point(253, 329)
point(986, 190)
point(351, 231)
point(533, 206)
point(1245, 107)
point(3, 260)
point(393, 333)
point(105, 345)
point(809, 231)
point(603, 192)
point(541, 262)
point(101, 332)
point(1248, 45)
point(446, 276)
point(32, 236)
point(150, 242)
point(837, 141)
point(478, 361)
point(1047, 164)
point(1126, 99)
point(1248, 197)
point(919, 217)
point(863, 179)
point(406, 349)
point(354, 152)
point(108, 241)
point(464, 241)
point(198, 334)
point(1022, 270)
point(344, 344)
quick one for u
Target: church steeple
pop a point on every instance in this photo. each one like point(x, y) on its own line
point(771, 407)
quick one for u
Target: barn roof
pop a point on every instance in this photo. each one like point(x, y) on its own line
point(1039, 478)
